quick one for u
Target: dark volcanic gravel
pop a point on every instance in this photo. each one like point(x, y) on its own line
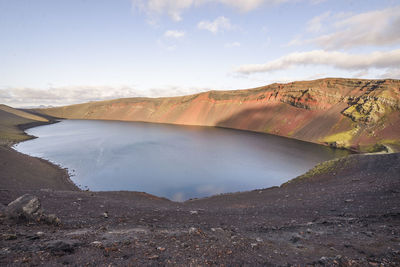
point(345, 212)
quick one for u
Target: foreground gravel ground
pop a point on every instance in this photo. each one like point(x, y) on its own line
point(345, 212)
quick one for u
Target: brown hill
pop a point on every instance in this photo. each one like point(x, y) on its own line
point(11, 121)
point(363, 115)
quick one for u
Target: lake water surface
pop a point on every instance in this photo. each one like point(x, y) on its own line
point(177, 162)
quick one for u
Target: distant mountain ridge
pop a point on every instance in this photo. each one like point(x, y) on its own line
point(359, 114)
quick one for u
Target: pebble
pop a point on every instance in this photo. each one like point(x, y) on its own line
point(193, 230)
point(218, 229)
point(323, 260)
point(97, 244)
point(153, 257)
point(295, 238)
point(193, 212)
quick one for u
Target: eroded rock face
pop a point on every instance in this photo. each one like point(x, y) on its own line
point(366, 110)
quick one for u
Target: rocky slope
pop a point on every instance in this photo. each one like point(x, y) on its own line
point(345, 212)
point(363, 115)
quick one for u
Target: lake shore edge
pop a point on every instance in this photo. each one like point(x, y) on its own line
point(277, 223)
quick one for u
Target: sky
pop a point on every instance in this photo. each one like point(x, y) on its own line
point(59, 52)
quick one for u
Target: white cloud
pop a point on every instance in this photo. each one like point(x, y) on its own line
point(248, 5)
point(315, 24)
point(62, 95)
point(339, 60)
point(174, 34)
point(373, 28)
point(391, 73)
point(219, 24)
point(316, 2)
point(175, 8)
point(233, 44)
point(57, 96)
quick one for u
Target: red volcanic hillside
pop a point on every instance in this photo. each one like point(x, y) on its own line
point(363, 115)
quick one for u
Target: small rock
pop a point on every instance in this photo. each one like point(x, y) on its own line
point(160, 248)
point(347, 245)
point(51, 219)
point(193, 212)
point(193, 230)
point(349, 200)
point(253, 245)
point(368, 233)
point(4, 251)
point(97, 244)
point(153, 257)
point(61, 246)
point(323, 260)
point(105, 214)
point(295, 238)
point(259, 239)
point(40, 234)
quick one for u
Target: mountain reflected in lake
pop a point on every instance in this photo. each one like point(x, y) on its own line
point(177, 162)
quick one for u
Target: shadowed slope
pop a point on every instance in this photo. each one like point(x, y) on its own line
point(359, 114)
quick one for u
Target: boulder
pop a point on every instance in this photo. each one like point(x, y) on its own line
point(26, 207)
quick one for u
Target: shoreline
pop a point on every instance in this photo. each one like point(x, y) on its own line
point(344, 212)
point(27, 126)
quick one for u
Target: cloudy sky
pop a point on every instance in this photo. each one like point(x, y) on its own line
point(72, 51)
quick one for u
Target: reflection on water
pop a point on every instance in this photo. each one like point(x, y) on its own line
point(177, 162)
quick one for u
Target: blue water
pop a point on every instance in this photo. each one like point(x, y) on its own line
point(177, 162)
